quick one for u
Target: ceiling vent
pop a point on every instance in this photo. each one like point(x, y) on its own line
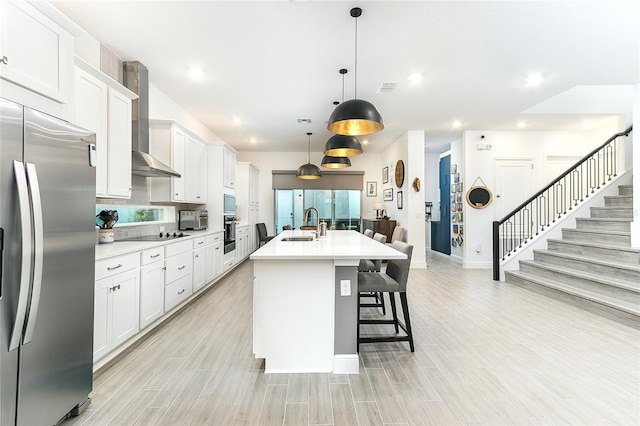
point(304, 120)
point(387, 87)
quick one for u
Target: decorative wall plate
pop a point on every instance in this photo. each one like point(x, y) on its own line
point(416, 184)
point(399, 173)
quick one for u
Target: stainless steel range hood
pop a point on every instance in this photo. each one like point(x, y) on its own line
point(136, 79)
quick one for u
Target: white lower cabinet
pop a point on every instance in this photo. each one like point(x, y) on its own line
point(135, 290)
point(178, 274)
point(242, 242)
point(151, 286)
point(214, 251)
point(199, 264)
point(116, 314)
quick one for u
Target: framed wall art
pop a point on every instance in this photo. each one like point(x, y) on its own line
point(399, 200)
point(385, 175)
point(372, 189)
point(387, 194)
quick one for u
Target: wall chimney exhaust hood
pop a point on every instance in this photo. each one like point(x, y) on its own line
point(136, 79)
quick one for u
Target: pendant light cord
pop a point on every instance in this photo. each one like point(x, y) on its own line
point(309, 147)
point(355, 70)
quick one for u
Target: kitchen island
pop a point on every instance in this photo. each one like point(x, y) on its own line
point(305, 301)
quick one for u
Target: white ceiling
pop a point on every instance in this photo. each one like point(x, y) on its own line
point(271, 63)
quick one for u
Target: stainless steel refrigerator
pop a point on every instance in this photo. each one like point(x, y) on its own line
point(47, 203)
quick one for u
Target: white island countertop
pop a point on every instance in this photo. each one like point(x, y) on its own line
point(337, 245)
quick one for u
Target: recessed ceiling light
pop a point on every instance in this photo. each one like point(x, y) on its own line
point(253, 140)
point(587, 124)
point(196, 73)
point(522, 124)
point(237, 121)
point(415, 78)
point(456, 124)
point(534, 79)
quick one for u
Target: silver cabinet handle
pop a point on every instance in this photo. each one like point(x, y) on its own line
point(181, 291)
point(153, 256)
point(180, 268)
point(115, 287)
point(201, 242)
point(25, 269)
point(38, 234)
point(111, 268)
point(4, 60)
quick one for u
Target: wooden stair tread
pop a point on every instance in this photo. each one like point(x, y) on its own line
point(580, 292)
point(596, 245)
point(606, 280)
point(595, 260)
point(598, 232)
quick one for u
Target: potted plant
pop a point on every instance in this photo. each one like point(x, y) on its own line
point(108, 218)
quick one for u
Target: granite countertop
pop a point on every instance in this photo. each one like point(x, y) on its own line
point(336, 245)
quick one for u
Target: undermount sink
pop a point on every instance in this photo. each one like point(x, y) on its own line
point(297, 239)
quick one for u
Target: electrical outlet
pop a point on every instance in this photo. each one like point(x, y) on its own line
point(345, 288)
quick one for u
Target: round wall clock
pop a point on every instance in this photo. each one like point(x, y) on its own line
point(399, 173)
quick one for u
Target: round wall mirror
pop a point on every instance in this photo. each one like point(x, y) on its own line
point(479, 197)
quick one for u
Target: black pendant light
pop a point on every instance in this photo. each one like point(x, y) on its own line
point(309, 171)
point(343, 145)
point(355, 117)
point(330, 162)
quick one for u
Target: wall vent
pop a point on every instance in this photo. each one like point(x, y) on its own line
point(304, 120)
point(387, 87)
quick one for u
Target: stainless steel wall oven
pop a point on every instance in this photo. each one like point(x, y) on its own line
point(229, 234)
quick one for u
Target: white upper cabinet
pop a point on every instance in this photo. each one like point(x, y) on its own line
point(196, 162)
point(184, 152)
point(36, 49)
point(104, 107)
point(229, 166)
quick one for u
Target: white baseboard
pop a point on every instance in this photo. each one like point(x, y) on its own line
point(346, 364)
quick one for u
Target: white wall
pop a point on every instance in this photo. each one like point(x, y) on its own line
point(162, 107)
point(635, 225)
point(511, 145)
point(410, 149)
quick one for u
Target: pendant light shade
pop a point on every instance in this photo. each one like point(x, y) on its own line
point(309, 171)
point(330, 162)
point(342, 146)
point(355, 117)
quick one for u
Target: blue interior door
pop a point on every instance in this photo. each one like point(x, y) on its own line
point(441, 230)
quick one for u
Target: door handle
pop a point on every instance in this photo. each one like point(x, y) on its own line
point(25, 268)
point(38, 237)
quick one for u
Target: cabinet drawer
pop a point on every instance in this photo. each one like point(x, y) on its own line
point(115, 265)
point(177, 292)
point(199, 242)
point(177, 248)
point(151, 255)
point(178, 266)
point(214, 238)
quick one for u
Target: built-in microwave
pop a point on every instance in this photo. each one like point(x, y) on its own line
point(229, 205)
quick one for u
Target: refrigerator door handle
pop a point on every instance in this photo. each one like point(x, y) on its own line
point(25, 274)
point(38, 237)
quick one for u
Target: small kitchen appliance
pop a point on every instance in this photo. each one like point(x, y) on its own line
point(192, 220)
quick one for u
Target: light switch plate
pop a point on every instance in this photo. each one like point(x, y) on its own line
point(345, 288)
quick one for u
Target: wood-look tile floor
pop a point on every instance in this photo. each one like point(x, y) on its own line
point(487, 353)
